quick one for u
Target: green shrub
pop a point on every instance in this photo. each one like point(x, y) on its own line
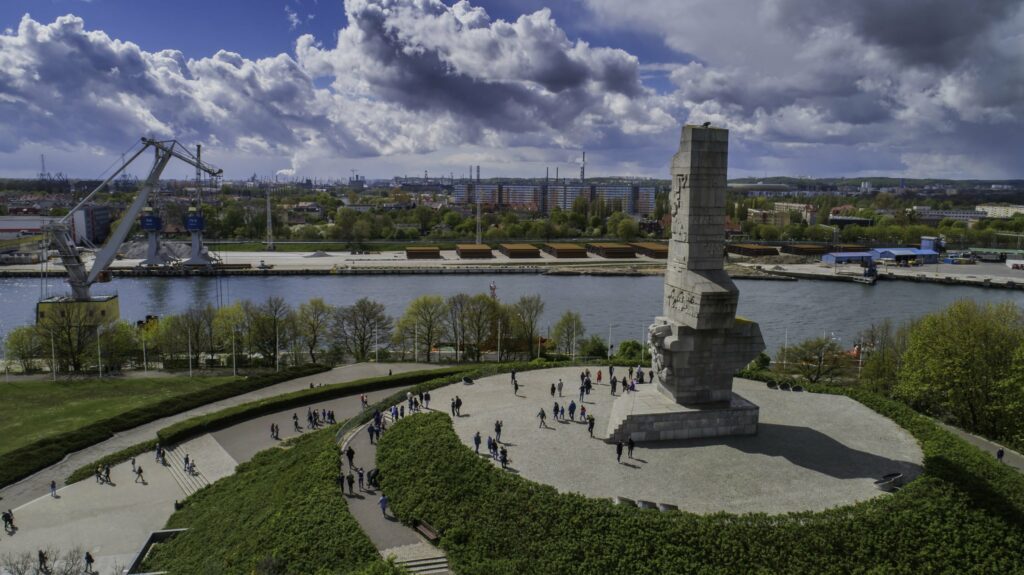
point(962, 515)
point(26, 460)
point(283, 508)
point(201, 424)
point(86, 471)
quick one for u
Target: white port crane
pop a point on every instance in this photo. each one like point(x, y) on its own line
point(79, 278)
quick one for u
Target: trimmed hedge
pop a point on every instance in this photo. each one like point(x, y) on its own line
point(86, 471)
point(281, 512)
point(201, 424)
point(964, 514)
point(26, 460)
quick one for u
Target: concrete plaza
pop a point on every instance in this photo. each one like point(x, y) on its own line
point(812, 451)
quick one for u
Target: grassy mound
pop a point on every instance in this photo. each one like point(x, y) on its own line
point(963, 515)
point(282, 512)
point(127, 404)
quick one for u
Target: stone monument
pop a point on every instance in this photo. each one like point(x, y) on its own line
point(699, 343)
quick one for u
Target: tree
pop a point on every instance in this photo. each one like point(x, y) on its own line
point(593, 346)
point(816, 359)
point(882, 347)
point(481, 316)
point(627, 230)
point(266, 327)
point(956, 360)
point(630, 352)
point(359, 328)
point(72, 332)
point(568, 332)
point(526, 313)
point(313, 320)
point(229, 324)
point(424, 320)
point(24, 344)
point(456, 320)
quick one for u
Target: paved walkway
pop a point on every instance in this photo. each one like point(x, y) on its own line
point(31, 487)
point(1010, 457)
point(112, 521)
point(388, 534)
point(811, 452)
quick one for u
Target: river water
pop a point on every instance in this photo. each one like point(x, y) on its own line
point(785, 309)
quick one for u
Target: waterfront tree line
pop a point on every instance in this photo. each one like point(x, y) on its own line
point(273, 334)
point(963, 365)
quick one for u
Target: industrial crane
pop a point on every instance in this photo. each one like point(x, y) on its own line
point(81, 279)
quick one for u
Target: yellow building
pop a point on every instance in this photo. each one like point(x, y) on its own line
point(97, 310)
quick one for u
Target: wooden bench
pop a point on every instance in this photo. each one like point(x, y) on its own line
point(427, 531)
point(889, 482)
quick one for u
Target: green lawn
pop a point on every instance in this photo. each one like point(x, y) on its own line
point(32, 410)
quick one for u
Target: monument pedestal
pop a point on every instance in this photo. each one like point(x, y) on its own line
point(649, 415)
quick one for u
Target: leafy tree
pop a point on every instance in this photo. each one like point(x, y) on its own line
point(313, 321)
point(358, 329)
point(593, 346)
point(24, 344)
point(481, 316)
point(526, 312)
point(424, 320)
point(956, 360)
point(817, 359)
point(568, 332)
point(629, 352)
point(627, 230)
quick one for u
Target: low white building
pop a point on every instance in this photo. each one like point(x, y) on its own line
point(1000, 211)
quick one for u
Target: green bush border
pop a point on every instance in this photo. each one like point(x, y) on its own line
point(184, 430)
point(965, 513)
point(28, 459)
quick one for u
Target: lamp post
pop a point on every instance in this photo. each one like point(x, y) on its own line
point(99, 353)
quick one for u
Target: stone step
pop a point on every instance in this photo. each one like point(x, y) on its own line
point(431, 566)
point(189, 483)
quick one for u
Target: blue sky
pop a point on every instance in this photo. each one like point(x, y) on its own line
point(321, 87)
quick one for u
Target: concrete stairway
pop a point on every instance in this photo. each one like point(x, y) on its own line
point(422, 558)
point(432, 566)
point(175, 464)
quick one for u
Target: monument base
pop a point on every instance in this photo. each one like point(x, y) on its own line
point(648, 415)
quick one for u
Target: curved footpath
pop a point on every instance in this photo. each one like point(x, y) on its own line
point(113, 521)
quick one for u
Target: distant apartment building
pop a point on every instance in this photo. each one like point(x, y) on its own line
point(90, 224)
point(1000, 211)
point(927, 214)
point(543, 198)
point(807, 212)
point(770, 217)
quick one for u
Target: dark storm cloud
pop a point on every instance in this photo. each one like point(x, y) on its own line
point(919, 32)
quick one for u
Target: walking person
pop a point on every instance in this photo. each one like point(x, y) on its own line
point(618, 451)
point(476, 441)
point(590, 425)
point(453, 407)
point(350, 453)
point(369, 430)
point(53, 488)
point(351, 481)
point(497, 429)
point(583, 390)
point(88, 562)
point(559, 388)
point(543, 417)
point(360, 475)
point(629, 447)
point(138, 476)
point(43, 567)
point(614, 384)
point(599, 376)
point(383, 502)
point(504, 458)
point(133, 465)
point(999, 455)
point(572, 410)
point(458, 406)
point(515, 387)
point(426, 400)
point(552, 390)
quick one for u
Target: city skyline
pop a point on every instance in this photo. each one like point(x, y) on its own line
point(396, 87)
